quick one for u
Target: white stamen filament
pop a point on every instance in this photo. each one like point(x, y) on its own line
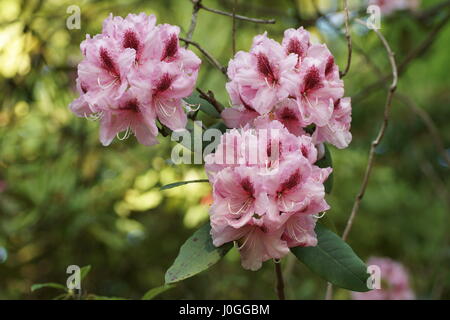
point(94, 116)
point(107, 85)
point(246, 239)
point(161, 106)
point(125, 136)
point(244, 207)
point(319, 216)
point(281, 198)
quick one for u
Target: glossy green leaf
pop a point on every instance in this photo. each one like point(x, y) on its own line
point(326, 162)
point(334, 260)
point(328, 222)
point(152, 293)
point(206, 107)
point(196, 255)
point(181, 183)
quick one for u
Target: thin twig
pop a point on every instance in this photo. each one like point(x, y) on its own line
point(233, 32)
point(421, 49)
point(209, 96)
point(280, 282)
point(193, 24)
point(349, 40)
point(237, 16)
point(431, 12)
point(346, 34)
point(429, 123)
point(375, 143)
point(208, 56)
point(380, 135)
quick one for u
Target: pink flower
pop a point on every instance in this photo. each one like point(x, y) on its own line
point(394, 282)
point(337, 130)
point(129, 114)
point(166, 48)
point(297, 42)
point(256, 244)
point(305, 95)
point(299, 230)
point(133, 74)
point(264, 75)
point(266, 191)
point(161, 87)
point(239, 195)
point(104, 70)
point(316, 95)
point(388, 7)
point(134, 32)
point(80, 106)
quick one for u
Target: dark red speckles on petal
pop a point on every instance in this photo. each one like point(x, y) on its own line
point(291, 182)
point(130, 40)
point(304, 151)
point(170, 48)
point(164, 83)
point(107, 62)
point(312, 80)
point(131, 105)
point(295, 46)
point(337, 104)
point(288, 115)
point(84, 89)
point(265, 68)
point(330, 65)
point(247, 186)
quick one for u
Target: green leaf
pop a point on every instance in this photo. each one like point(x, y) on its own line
point(181, 183)
point(205, 106)
point(152, 293)
point(326, 162)
point(196, 255)
point(84, 271)
point(334, 260)
point(220, 126)
point(328, 222)
point(38, 286)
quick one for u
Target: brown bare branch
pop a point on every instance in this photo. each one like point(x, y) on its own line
point(233, 32)
point(380, 135)
point(237, 16)
point(349, 40)
point(209, 96)
point(421, 49)
point(193, 24)
point(208, 56)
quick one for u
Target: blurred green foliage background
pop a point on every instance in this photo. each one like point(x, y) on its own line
point(65, 199)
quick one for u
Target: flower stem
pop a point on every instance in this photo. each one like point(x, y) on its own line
point(280, 282)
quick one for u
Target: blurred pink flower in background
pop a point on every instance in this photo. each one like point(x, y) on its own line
point(133, 74)
point(394, 282)
point(388, 7)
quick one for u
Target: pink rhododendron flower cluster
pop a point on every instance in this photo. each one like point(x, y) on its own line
point(266, 190)
point(388, 7)
point(394, 282)
point(133, 74)
point(296, 82)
